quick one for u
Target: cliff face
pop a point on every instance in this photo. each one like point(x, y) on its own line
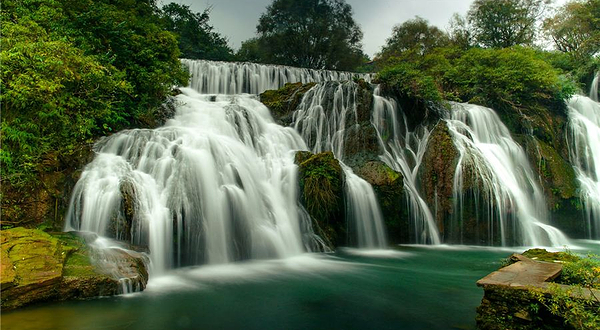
point(540, 131)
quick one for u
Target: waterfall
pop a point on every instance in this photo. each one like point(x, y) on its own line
point(594, 88)
point(583, 139)
point(497, 170)
point(323, 118)
point(403, 152)
point(213, 77)
point(216, 184)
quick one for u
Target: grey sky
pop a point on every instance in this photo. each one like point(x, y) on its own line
point(237, 19)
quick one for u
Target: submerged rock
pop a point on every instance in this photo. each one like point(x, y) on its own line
point(37, 266)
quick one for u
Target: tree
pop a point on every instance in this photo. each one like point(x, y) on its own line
point(460, 33)
point(197, 39)
point(575, 28)
point(505, 23)
point(318, 34)
point(250, 51)
point(416, 36)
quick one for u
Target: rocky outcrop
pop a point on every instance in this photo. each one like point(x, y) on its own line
point(389, 189)
point(560, 185)
point(520, 295)
point(437, 178)
point(321, 182)
point(284, 101)
point(37, 266)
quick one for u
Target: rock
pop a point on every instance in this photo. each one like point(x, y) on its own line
point(437, 178)
point(284, 101)
point(389, 189)
point(560, 186)
point(56, 267)
point(322, 193)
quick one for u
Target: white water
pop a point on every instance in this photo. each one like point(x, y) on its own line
point(217, 183)
point(212, 77)
point(583, 139)
point(403, 152)
point(322, 118)
point(594, 88)
point(489, 157)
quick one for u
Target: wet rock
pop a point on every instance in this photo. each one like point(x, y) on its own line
point(389, 189)
point(284, 101)
point(322, 193)
point(37, 266)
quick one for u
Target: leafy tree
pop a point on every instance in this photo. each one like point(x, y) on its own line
point(251, 51)
point(575, 28)
point(460, 32)
point(319, 34)
point(197, 39)
point(415, 35)
point(73, 71)
point(505, 23)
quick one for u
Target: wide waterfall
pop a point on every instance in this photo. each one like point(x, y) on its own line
point(216, 184)
point(211, 77)
point(507, 197)
point(323, 118)
point(583, 139)
point(403, 152)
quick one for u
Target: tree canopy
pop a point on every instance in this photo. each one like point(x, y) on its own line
point(575, 28)
point(318, 34)
point(505, 23)
point(197, 39)
point(414, 35)
point(76, 70)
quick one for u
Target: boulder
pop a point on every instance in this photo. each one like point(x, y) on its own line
point(321, 182)
point(37, 266)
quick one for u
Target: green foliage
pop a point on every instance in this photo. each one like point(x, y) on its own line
point(197, 39)
point(318, 34)
point(575, 28)
point(414, 35)
point(408, 81)
point(321, 180)
point(510, 77)
point(505, 23)
point(73, 71)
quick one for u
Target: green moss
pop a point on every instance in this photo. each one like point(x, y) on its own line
point(283, 101)
point(321, 185)
point(544, 255)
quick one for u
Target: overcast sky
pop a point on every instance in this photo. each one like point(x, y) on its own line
point(237, 19)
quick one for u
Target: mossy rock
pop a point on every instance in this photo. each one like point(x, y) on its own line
point(321, 182)
point(284, 101)
point(388, 186)
point(560, 185)
point(37, 267)
point(437, 175)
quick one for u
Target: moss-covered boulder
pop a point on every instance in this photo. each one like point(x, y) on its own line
point(389, 190)
point(37, 266)
point(560, 184)
point(284, 101)
point(321, 182)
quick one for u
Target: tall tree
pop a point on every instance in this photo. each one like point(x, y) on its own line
point(414, 35)
point(575, 28)
point(319, 34)
point(197, 38)
point(505, 23)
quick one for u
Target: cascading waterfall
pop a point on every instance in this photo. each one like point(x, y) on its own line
point(512, 203)
point(403, 152)
point(322, 118)
point(594, 88)
point(216, 184)
point(213, 77)
point(583, 139)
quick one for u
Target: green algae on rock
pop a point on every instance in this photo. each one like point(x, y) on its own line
point(37, 267)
